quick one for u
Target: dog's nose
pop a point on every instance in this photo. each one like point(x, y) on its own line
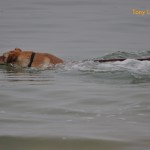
point(2, 59)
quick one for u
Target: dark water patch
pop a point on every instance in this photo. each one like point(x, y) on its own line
point(63, 143)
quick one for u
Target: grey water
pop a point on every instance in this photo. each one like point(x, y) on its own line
point(80, 104)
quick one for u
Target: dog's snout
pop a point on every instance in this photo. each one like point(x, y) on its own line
point(2, 59)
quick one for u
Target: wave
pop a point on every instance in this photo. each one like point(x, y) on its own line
point(129, 65)
point(129, 68)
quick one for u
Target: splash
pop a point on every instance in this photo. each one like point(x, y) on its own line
point(130, 65)
point(127, 68)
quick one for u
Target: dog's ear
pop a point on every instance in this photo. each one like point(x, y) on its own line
point(18, 50)
point(12, 58)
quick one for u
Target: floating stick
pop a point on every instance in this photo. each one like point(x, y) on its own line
point(119, 59)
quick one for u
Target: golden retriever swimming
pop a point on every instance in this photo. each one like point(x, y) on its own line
point(24, 59)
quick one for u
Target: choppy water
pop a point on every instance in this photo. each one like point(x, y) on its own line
point(81, 104)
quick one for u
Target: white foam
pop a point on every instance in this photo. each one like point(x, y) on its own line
point(129, 65)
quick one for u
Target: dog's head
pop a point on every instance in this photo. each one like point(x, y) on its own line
point(10, 57)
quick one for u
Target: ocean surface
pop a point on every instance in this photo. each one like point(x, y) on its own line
point(82, 104)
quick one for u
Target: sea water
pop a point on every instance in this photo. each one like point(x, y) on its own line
point(81, 104)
